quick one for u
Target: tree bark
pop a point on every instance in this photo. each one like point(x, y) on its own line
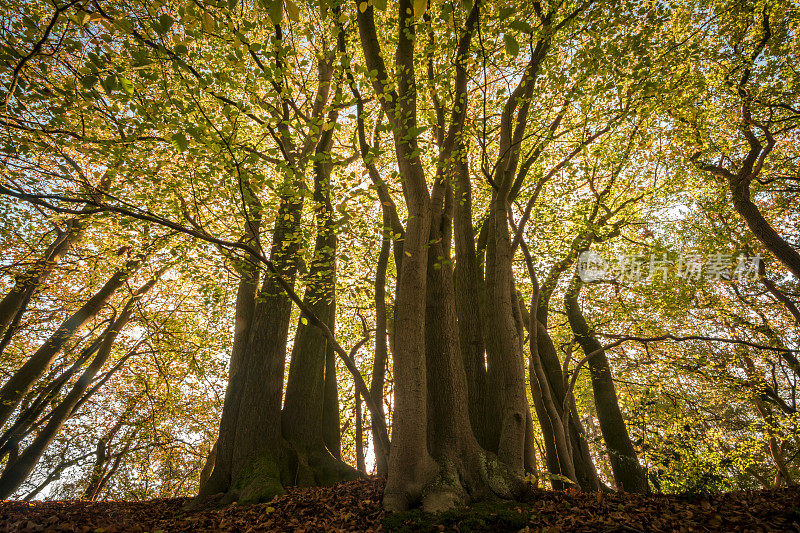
point(381, 344)
point(469, 287)
point(303, 421)
point(360, 465)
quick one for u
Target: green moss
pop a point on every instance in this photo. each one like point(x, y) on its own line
point(484, 516)
point(260, 482)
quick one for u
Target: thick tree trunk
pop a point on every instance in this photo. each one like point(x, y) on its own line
point(303, 419)
point(24, 378)
point(466, 472)
point(628, 474)
point(249, 445)
point(505, 362)
point(434, 458)
point(469, 287)
point(243, 317)
point(253, 461)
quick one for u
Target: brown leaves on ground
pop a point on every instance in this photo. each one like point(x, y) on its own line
point(355, 506)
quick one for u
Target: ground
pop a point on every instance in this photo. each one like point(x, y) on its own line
point(355, 506)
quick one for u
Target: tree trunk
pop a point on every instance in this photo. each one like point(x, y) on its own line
point(381, 344)
point(566, 450)
point(249, 446)
point(331, 432)
point(628, 474)
point(505, 363)
point(469, 287)
point(303, 419)
point(360, 465)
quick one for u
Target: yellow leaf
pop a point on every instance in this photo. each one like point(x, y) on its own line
point(208, 22)
point(420, 6)
point(293, 11)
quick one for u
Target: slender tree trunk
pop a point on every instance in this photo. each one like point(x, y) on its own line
point(100, 473)
point(566, 450)
point(360, 465)
point(24, 378)
point(331, 431)
point(782, 475)
point(628, 474)
point(381, 344)
point(26, 283)
point(32, 409)
point(14, 304)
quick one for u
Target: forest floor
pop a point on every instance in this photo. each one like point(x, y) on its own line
point(355, 506)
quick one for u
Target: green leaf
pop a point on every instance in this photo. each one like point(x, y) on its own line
point(180, 142)
point(165, 22)
point(505, 12)
point(274, 10)
point(380, 5)
point(126, 85)
point(109, 83)
point(512, 46)
point(89, 81)
point(521, 25)
point(208, 22)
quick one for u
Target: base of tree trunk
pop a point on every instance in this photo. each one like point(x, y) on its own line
point(316, 466)
point(267, 475)
point(460, 479)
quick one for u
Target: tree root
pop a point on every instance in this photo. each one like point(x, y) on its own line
point(267, 476)
point(475, 475)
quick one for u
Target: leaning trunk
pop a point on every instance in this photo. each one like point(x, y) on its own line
point(628, 474)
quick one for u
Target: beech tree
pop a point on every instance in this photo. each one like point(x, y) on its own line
point(251, 245)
